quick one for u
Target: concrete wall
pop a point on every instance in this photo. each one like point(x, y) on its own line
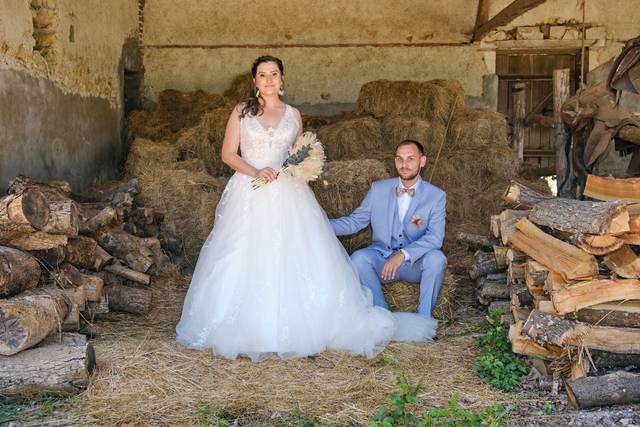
point(61, 87)
point(331, 48)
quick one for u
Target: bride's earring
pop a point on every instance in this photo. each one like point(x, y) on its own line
point(281, 91)
point(257, 93)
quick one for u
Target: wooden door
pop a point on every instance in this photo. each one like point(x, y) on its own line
point(535, 70)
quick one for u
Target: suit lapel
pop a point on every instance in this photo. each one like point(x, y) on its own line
point(414, 203)
point(392, 208)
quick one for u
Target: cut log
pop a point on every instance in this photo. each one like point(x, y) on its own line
point(52, 258)
point(581, 217)
point(516, 272)
point(521, 197)
point(503, 306)
point(545, 305)
point(71, 323)
point(608, 360)
point(475, 241)
point(535, 273)
point(584, 294)
point(631, 238)
point(38, 241)
point(120, 195)
point(99, 220)
point(500, 252)
point(81, 252)
point(128, 273)
point(53, 190)
point(624, 262)
point(102, 258)
point(29, 317)
point(97, 308)
point(520, 295)
point(490, 290)
point(60, 364)
point(547, 328)
point(128, 299)
point(520, 314)
point(64, 218)
point(508, 220)
point(131, 249)
point(69, 277)
point(514, 255)
point(598, 244)
point(554, 282)
point(556, 255)
point(617, 388)
point(522, 344)
point(495, 226)
point(22, 213)
point(608, 188)
point(618, 313)
point(77, 296)
point(485, 263)
point(18, 272)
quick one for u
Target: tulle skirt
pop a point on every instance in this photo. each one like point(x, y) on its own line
point(272, 280)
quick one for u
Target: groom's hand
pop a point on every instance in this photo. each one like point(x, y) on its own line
point(391, 266)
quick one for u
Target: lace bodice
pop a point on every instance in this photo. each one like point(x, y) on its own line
point(262, 147)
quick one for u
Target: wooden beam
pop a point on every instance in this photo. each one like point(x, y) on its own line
point(519, 96)
point(482, 16)
point(506, 15)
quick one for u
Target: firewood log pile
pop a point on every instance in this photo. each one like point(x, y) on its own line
point(65, 260)
point(567, 273)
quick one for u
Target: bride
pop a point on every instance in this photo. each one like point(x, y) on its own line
point(272, 280)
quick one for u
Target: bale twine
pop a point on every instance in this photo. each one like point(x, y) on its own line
point(204, 140)
point(404, 296)
point(347, 185)
point(188, 200)
point(175, 111)
point(351, 139)
point(241, 87)
point(429, 100)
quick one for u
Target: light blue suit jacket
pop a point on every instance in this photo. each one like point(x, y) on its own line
point(423, 223)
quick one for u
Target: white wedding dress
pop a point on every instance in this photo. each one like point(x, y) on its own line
point(272, 279)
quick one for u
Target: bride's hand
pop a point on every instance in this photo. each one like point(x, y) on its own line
point(267, 174)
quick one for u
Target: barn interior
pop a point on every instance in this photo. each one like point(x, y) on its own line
point(113, 115)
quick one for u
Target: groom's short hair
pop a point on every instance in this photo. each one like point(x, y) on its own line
point(411, 142)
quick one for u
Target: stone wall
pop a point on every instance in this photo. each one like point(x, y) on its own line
point(61, 88)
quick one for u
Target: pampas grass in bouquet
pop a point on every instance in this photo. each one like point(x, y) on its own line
point(306, 161)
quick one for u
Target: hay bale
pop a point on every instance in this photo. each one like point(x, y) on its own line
point(175, 111)
point(187, 199)
point(204, 141)
point(431, 100)
point(477, 127)
point(395, 129)
point(347, 185)
point(241, 87)
point(144, 153)
point(404, 296)
point(351, 139)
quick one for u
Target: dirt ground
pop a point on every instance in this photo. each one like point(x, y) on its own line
point(144, 378)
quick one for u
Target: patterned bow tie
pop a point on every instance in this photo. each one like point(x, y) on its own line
point(401, 190)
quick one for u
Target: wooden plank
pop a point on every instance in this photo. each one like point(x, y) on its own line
point(584, 294)
point(547, 328)
point(624, 262)
point(506, 15)
point(561, 138)
point(609, 188)
point(519, 111)
point(572, 263)
point(482, 16)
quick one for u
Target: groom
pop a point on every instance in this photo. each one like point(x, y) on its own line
point(407, 215)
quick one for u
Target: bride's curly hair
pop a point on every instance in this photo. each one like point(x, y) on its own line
point(252, 104)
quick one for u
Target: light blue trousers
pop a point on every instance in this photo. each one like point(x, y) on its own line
point(427, 270)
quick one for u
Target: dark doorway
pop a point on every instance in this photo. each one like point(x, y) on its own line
point(132, 90)
point(535, 70)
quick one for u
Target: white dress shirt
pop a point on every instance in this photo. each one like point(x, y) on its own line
point(403, 206)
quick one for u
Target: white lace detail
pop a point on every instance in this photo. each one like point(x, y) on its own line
point(262, 147)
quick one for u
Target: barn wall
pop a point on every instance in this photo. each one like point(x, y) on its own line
point(61, 87)
point(331, 48)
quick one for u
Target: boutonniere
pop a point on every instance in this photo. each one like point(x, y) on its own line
point(416, 220)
